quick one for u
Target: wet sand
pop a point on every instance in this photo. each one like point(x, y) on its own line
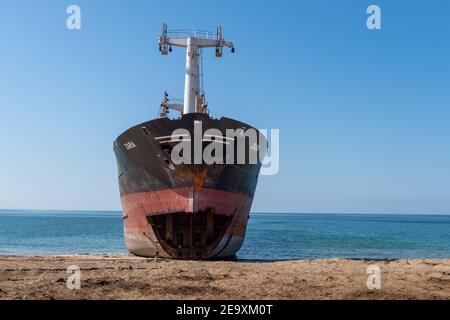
point(129, 277)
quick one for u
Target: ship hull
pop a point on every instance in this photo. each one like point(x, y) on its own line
point(184, 211)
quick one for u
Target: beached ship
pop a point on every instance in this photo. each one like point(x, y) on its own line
point(177, 202)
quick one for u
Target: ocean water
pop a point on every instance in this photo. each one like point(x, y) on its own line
point(269, 236)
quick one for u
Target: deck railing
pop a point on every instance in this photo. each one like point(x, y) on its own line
point(182, 33)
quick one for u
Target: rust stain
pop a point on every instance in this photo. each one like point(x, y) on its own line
point(185, 172)
point(199, 179)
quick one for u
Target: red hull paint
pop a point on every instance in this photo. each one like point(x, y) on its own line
point(185, 200)
point(138, 206)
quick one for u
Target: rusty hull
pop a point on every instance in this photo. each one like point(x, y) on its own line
point(187, 211)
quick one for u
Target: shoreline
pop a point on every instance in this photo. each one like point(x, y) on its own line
point(119, 276)
point(235, 259)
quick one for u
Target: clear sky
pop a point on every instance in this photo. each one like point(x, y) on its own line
point(364, 115)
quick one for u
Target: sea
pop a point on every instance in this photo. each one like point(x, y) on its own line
point(270, 236)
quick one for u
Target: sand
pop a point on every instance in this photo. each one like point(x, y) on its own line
point(129, 277)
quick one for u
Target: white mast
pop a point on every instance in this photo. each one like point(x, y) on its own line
point(193, 98)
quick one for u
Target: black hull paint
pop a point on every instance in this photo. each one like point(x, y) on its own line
point(152, 186)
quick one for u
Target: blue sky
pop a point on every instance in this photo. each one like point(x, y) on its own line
point(363, 115)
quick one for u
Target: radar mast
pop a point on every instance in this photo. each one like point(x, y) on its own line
point(194, 99)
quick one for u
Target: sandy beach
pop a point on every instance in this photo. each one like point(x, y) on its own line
point(129, 277)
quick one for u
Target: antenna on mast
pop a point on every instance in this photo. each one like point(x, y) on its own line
point(194, 98)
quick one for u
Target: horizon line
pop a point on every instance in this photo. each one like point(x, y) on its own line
point(256, 212)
